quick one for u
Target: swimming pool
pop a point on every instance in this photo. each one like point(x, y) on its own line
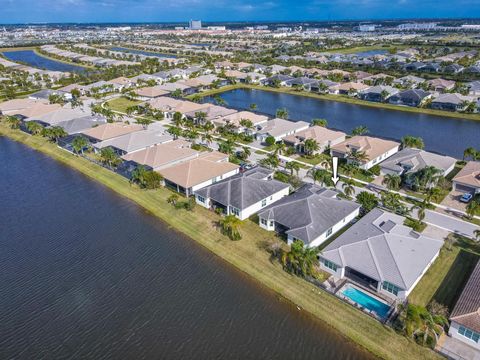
point(367, 301)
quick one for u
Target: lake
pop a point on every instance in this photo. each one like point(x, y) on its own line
point(444, 135)
point(142, 52)
point(31, 58)
point(88, 274)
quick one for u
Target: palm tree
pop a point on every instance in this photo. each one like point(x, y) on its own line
point(226, 147)
point(358, 157)
point(392, 181)
point(279, 148)
point(172, 199)
point(412, 142)
point(282, 113)
point(138, 175)
point(360, 130)
point(320, 122)
point(429, 176)
point(246, 151)
point(230, 226)
point(348, 187)
point(246, 124)
point(310, 146)
point(470, 153)
point(79, 144)
point(472, 209)
point(208, 126)
point(174, 131)
point(477, 234)
point(13, 122)
point(143, 121)
point(253, 106)
point(293, 166)
point(54, 133)
point(300, 260)
point(178, 119)
point(207, 138)
point(108, 157)
point(34, 128)
point(320, 175)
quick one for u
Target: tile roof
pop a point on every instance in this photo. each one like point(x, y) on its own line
point(469, 175)
point(417, 159)
point(373, 147)
point(111, 130)
point(320, 134)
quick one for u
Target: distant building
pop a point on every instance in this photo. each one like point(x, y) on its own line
point(195, 24)
point(366, 27)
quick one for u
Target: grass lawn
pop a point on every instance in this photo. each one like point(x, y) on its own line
point(314, 160)
point(247, 255)
point(357, 49)
point(121, 104)
point(446, 278)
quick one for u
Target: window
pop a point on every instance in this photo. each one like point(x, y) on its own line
point(234, 211)
point(263, 221)
point(271, 222)
point(329, 232)
point(330, 265)
point(264, 202)
point(469, 334)
point(390, 288)
point(201, 199)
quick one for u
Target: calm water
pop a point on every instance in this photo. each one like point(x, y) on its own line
point(142, 52)
point(86, 274)
point(441, 134)
point(31, 58)
point(371, 52)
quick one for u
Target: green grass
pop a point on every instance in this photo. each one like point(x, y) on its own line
point(353, 50)
point(446, 278)
point(247, 255)
point(314, 160)
point(121, 104)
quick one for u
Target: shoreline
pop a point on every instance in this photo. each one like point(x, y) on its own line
point(342, 99)
point(245, 255)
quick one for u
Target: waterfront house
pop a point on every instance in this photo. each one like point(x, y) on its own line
point(409, 160)
point(378, 93)
point(452, 102)
point(409, 81)
point(279, 79)
point(244, 194)
point(171, 87)
point(58, 115)
point(453, 68)
point(169, 106)
point(110, 130)
point(348, 88)
point(381, 254)
point(233, 120)
point(412, 97)
point(374, 150)
point(302, 83)
point(150, 92)
point(163, 155)
point(78, 125)
point(209, 113)
point(474, 88)
point(325, 138)
point(192, 175)
point(468, 179)
point(279, 128)
point(414, 66)
point(46, 93)
point(311, 214)
point(441, 85)
point(465, 317)
point(134, 141)
point(20, 106)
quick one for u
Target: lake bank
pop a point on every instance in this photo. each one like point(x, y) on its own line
point(247, 255)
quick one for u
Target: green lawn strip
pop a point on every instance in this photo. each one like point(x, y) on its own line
point(121, 104)
point(248, 255)
point(445, 279)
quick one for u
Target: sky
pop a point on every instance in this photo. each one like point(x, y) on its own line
point(22, 11)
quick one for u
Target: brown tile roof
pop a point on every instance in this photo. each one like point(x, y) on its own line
point(151, 92)
point(199, 170)
point(111, 130)
point(236, 117)
point(373, 147)
point(320, 134)
point(174, 105)
point(467, 309)
point(469, 175)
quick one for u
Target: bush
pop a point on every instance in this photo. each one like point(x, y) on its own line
point(270, 141)
point(375, 170)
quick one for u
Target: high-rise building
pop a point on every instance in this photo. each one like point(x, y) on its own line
point(195, 24)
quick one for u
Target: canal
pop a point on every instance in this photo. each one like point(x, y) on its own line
point(31, 58)
point(88, 274)
point(448, 136)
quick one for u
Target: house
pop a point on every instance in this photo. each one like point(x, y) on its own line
point(26, 107)
point(468, 179)
point(81, 124)
point(414, 66)
point(453, 68)
point(236, 118)
point(465, 317)
point(431, 68)
point(243, 194)
point(311, 214)
point(160, 156)
point(409, 81)
point(382, 254)
point(303, 83)
point(325, 138)
point(279, 128)
point(451, 102)
point(409, 161)
point(378, 93)
point(150, 92)
point(46, 93)
point(169, 106)
point(276, 69)
point(374, 150)
point(122, 82)
point(110, 130)
point(348, 88)
point(134, 141)
point(192, 175)
point(209, 113)
point(279, 79)
point(474, 88)
point(176, 86)
point(52, 118)
point(413, 97)
point(441, 85)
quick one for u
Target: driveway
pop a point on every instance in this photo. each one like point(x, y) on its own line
point(452, 200)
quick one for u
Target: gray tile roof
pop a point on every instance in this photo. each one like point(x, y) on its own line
point(417, 159)
point(467, 309)
point(80, 124)
point(381, 247)
point(243, 190)
point(309, 212)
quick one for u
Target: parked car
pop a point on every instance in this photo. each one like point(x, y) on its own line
point(466, 197)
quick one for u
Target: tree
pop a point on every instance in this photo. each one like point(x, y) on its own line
point(246, 124)
point(79, 144)
point(271, 161)
point(357, 157)
point(54, 133)
point(253, 106)
point(138, 175)
point(293, 166)
point(143, 121)
point(178, 119)
point(152, 180)
point(13, 122)
point(34, 128)
point(320, 175)
point(226, 147)
point(368, 201)
point(470, 153)
point(472, 208)
point(360, 130)
point(270, 140)
point(279, 148)
point(282, 113)
point(477, 234)
point(392, 201)
point(174, 131)
point(412, 142)
point(320, 122)
point(230, 227)
point(109, 157)
point(173, 199)
point(310, 146)
point(300, 260)
point(392, 181)
point(348, 187)
point(177, 93)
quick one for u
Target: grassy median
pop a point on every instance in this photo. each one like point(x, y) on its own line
point(247, 255)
